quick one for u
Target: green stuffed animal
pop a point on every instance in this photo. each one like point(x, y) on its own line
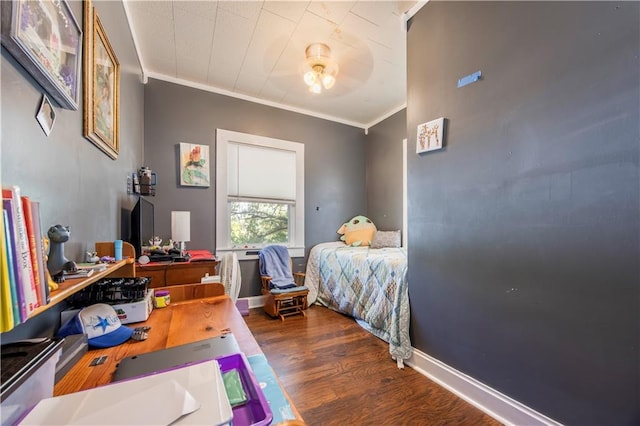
point(359, 231)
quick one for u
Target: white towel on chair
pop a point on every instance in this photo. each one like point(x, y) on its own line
point(230, 275)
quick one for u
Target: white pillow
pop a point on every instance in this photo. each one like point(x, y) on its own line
point(382, 239)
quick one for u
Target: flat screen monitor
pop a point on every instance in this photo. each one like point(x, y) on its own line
point(141, 225)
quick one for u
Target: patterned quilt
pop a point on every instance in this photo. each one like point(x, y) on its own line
point(367, 284)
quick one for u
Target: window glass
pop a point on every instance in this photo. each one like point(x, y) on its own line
point(258, 223)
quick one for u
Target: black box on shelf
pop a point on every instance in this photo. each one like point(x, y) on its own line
point(112, 291)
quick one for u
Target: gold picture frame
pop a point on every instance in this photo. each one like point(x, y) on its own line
point(101, 86)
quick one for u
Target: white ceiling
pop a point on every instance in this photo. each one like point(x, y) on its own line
point(255, 50)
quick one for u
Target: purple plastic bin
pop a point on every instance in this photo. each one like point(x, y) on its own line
point(256, 410)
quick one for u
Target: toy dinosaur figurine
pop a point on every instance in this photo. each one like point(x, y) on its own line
point(57, 263)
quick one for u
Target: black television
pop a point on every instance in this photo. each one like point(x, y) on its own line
point(141, 225)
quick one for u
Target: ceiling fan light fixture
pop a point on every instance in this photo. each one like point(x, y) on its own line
point(328, 81)
point(316, 87)
point(321, 69)
point(310, 78)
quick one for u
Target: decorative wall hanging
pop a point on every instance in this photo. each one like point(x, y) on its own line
point(101, 86)
point(430, 135)
point(46, 115)
point(194, 165)
point(45, 39)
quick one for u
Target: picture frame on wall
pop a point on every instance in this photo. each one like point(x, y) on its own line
point(194, 165)
point(46, 115)
point(430, 136)
point(46, 40)
point(101, 86)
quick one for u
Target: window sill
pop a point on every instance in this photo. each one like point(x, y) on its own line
point(252, 253)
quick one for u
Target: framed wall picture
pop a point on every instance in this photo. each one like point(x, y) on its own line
point(44, 37)
point(194, 165)
point(101, 86)
point(430, 135)
point(46, 115)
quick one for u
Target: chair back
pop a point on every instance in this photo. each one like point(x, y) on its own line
point(180, 293)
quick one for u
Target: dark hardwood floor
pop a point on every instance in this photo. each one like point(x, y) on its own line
point(337, 373)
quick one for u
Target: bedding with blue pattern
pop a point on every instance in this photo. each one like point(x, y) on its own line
point(367, 284)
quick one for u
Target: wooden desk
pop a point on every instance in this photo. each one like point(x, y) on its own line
point(177, 324)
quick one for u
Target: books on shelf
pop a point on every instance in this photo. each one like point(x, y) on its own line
point(24, 285)
point(25, 279)
point(80, 273)
point(96, 267)
point(33, 251)
point(17, 292)
point(6, 309)
point(40, 254)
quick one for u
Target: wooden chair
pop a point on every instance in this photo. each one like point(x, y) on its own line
point(282, 303)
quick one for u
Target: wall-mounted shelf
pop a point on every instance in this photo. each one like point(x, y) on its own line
point(123, 268)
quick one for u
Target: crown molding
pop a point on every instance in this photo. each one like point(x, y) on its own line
point(385, 116)
point(134, 37)
point(248, 98)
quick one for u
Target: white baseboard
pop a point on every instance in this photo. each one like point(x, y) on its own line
point(495, 404)
point(255, 301)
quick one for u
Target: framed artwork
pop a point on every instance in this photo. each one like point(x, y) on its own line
point(430, 135)
point(44, 37)
point(101, 86)
point(46, 115)
point(194, 165)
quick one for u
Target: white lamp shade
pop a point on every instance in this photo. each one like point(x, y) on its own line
point(181, 226)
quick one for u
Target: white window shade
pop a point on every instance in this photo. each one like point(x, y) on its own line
point(260, 172)
point(258, 169)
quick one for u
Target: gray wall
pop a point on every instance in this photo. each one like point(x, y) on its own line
point(384, 171)
point(524, 230)
point(334, 162)
point(74, 181)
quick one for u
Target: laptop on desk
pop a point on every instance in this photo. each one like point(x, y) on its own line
point(177, 356)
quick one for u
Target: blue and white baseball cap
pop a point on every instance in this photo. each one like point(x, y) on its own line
point(101, 325)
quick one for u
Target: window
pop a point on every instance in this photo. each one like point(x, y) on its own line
point(259, 193)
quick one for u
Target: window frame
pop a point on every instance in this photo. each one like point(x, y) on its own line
point(296, 220)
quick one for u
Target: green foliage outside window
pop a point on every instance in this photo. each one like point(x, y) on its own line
point(259, 223)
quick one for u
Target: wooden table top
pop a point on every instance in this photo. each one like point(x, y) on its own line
point(177, 324)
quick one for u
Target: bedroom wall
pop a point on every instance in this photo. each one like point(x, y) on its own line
point(334, 162)
point(524, 243)
point(384, 171)
point(74, 181)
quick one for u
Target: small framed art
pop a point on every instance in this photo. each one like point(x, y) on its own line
point(46, 115)
point(430, 135)
point(194, 165)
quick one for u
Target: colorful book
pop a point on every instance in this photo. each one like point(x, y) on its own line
point(6, 309)
point(33, 250)
point(41, 255)
point(12, 249)
point(25, 270)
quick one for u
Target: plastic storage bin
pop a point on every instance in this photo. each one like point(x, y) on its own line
point(256, 410)
point(28, 372)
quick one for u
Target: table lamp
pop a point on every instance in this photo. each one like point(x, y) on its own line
point(181, 229)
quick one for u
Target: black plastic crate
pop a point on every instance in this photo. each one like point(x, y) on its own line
point(111, 291)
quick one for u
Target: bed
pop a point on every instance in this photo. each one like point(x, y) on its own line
point(367, 284)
